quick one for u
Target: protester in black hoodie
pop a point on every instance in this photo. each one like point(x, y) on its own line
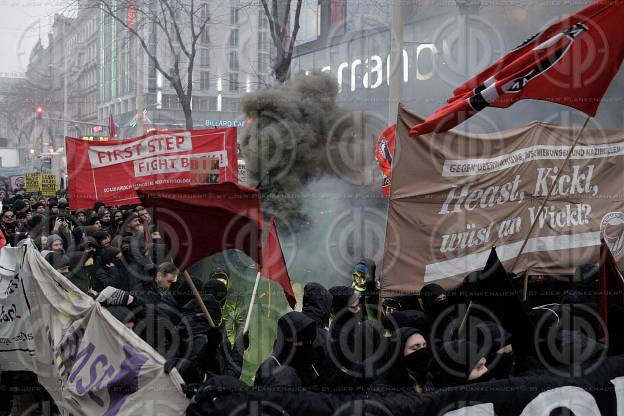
point(290, 364)
point(317, 302)
point(110, 271)
point(200, 341)
point(410, 367)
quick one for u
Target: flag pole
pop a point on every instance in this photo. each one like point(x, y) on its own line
point(541, 208)
point(198, 299)
point(251, 303)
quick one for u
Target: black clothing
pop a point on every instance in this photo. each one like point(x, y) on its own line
point(290, 364)
point(406, 319)
point(317, 302)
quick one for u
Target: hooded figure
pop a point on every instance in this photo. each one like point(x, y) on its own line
point(365, 283)
point(434, 300)
point(410, 366)
point(317, 303)
point(81, 270)
point(220, 274)
point(110, 271)
point(290, 364)
point(200, 341)
point(218, 289)
point(457, 363)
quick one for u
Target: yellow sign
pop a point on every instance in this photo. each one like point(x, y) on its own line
point(48, 184)
point(32, 182)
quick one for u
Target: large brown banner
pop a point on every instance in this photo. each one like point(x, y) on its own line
point(455, 196)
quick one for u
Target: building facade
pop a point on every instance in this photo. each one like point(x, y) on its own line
point(444, 44)
point(233, 58)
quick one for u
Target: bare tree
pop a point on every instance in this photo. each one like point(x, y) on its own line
point(179, 22)
point(283, 37)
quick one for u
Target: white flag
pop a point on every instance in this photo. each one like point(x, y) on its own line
point(89, 362)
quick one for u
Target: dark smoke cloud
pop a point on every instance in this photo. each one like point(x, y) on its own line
point(287, 141)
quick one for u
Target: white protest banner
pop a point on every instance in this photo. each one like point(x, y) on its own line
point(89, 362)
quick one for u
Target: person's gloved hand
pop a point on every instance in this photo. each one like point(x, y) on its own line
point(113, 297)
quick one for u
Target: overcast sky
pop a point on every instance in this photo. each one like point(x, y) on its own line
point(20, 21)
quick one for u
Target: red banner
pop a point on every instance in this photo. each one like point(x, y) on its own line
point(111, 171)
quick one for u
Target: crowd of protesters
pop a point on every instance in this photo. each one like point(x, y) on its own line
point(343, 340)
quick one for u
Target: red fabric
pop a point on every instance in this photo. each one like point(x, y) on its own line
point(202, 220)
point(274, 265)
point(610, 283)
point(110, 171)
point(571, 63)
point(384, 153)
point(2, 239)
point(112, 131)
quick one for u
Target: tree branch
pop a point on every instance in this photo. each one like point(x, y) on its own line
point(295, 31)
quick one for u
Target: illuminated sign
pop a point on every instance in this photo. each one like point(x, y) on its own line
point(374, 71)
point(224, 123)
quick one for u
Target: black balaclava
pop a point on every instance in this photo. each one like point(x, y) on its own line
point(218, 289)
point(416, 363)
point(428, 294)
point(292, 328)
point(317, 303)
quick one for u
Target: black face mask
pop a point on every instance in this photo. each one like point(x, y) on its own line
point(418, 363)
point(302, 357)
point(500, 365)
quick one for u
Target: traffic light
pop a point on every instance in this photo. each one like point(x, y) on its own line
point(39, 112)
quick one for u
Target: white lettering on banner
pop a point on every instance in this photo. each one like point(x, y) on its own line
point(101, 156)
point(476, 261)
point(571, 216)
point(174, 164)
point(469, 199)
point(472, 167)
point(576, 399)
point(579, 183)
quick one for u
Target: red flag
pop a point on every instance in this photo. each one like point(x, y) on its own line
point(571, 63)
point(202, 220)
point(384, 153)
point(274, 265)
point(112, 131)
point(610, 283)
